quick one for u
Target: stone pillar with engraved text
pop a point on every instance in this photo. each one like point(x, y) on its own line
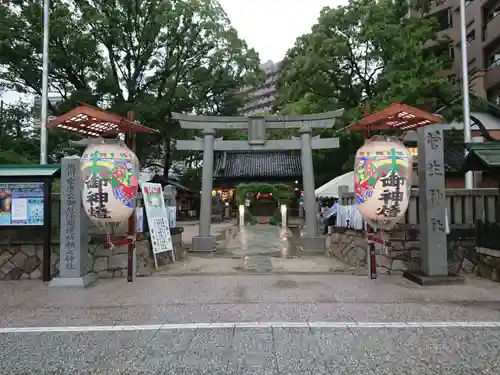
point(73, 269)
point(432, 198)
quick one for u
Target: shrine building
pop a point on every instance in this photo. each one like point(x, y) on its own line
point(273, 167)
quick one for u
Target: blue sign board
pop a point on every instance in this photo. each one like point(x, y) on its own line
point(21, 203)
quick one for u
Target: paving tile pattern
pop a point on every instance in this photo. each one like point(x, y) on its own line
point(261, 240)
point(255, 351)
point(187, 299)
point(273, 298)
point(266, 248)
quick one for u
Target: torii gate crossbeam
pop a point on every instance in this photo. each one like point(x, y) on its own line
point(257, 126)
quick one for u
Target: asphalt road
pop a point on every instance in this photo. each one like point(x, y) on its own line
point(415, 350)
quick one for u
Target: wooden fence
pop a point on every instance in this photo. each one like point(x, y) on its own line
point(464, 206)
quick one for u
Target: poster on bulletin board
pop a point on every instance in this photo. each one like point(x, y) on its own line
point(21, 204)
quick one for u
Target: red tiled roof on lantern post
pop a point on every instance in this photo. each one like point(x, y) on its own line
point(396, 117)
point(89, 121)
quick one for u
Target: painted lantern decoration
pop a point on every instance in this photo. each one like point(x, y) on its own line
point(110, 175)
point(382, 181)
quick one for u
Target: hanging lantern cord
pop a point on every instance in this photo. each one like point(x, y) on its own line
point(109, 243)
point(129, 239)
point(132, 238)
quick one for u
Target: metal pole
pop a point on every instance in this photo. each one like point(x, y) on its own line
point(45, 83)
point(469, 181)
point(130, 141)
point(1, 118)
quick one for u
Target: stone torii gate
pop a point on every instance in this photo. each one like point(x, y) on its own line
point(257, 141)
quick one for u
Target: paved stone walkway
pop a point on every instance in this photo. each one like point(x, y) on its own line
point(256, 351)
point(257, 244)
point(260, 248)
point(263, 239)
point(191, 230)
point(245, 325)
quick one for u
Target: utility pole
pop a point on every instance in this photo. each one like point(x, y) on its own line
point(45, 83)
point(1, 119)
point(469, 178)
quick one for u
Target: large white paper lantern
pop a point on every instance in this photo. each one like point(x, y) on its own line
point(382, 181)
point(110, 172)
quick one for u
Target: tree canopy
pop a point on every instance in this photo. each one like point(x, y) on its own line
point(362, 57)
point(20, 136)
point(153, 57)
point(367, 52)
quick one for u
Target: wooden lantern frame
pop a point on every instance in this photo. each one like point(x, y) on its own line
point(89, 121)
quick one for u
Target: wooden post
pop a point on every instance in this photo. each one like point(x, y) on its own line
point(131, 144)
point(47, 240)
point(370, 239)
point(372, 258)
point(497, 206)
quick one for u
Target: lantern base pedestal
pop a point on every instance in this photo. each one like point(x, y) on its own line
point(425, 280)
point(316, 244)
point(75, 282)
point(202, 243)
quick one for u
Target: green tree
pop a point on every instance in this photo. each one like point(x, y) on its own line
point(363, 57)
point(20, 136)
point(191, 178)
point(18, 144)
point(152, 57)
point(366, 52)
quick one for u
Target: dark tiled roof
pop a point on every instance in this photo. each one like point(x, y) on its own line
point(483, 157)
point(257, 164)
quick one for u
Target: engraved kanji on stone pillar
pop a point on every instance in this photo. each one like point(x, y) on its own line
point(432, 199)
point(73, 269)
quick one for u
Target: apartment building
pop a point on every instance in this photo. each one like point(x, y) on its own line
point(262, 98)
point(483, 42)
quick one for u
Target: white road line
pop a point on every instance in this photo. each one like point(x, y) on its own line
point(241, 325)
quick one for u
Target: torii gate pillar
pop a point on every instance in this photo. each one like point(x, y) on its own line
point(257, 126)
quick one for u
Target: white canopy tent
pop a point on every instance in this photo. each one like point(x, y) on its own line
point(331, 188)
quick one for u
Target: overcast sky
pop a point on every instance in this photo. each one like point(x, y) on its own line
point(269, 26)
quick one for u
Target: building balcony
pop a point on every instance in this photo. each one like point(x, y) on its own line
point(262, 92)
point(264, 102)
point(492, 78)
point(441, 36)
point(439, 5)
point(491, 32)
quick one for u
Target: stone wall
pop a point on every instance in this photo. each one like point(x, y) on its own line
point(24, 261)
point(402, 252)
point(483, 265)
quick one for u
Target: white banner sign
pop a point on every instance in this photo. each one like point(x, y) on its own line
point(157, 216)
